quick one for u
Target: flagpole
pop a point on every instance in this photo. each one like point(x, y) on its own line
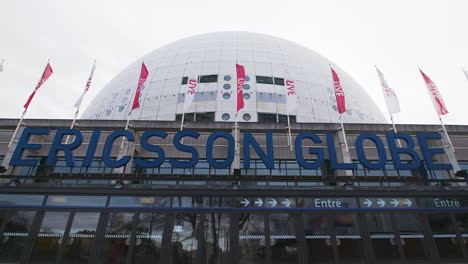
point(17, 128)
point(446, 133)
point(344, 133)
point(185, 96)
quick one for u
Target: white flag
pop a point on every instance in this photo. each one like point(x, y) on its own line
point(466, 73)
point(190, 93)
point(390, 97)
point(1, 66)
point(88, 84)
point(291, 97)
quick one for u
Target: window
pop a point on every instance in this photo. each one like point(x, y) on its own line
point(279, 81)
point(184, 80)
point(264, 79)
point(208, 78)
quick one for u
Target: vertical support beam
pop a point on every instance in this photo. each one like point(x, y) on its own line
point(300, 237)
point(65, 237)
point(234, 237)
point(267, 232)
point(131, 245)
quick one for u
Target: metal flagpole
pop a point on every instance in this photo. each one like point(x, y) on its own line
point(17, 128)
point(446, 133)
point(287, 112)
point(395, 129)
point(185, 96)
point(344, 133)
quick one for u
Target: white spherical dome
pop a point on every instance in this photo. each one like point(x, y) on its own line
point(268, 61)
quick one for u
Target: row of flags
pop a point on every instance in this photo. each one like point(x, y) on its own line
point(391, 99)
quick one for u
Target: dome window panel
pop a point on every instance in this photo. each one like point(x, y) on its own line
point(225, 116)
point(279, 81)
point(208, 78)
point(264, 79)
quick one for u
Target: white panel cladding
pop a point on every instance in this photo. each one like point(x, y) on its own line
point(217, 54)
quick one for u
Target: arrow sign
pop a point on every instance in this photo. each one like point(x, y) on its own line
point(394, 202)
point(245, 202)
point(408, 202)
point(381, 202)
point(286, 203)
point(367, 202)
point(273, 202)
point(258, 202)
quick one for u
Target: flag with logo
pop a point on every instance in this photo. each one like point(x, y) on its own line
point(45, 75)
point(339, 93)
point(141, 81)
point(435, 95)
point(88, 84)
point(240, 84)
point(192, 83)
point(390, 97)
point(291, 97)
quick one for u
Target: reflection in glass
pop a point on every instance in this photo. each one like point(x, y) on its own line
point(412, 237)
point(15, 234)
point(318, 240)
point(117, 238)
point(216, 238)
point(76, 200)
point(445, 237)
point(21, 199)
point(81, 238)
point(184, 238)
point(382, 237)
point(149, 238)
point(348, 238)
point(462, 226)
point(251, 238)
point(283, 239)
point(49, 237)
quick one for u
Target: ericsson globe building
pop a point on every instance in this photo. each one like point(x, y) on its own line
point(265, 184)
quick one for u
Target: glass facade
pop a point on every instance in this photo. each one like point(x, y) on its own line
point(226, 229)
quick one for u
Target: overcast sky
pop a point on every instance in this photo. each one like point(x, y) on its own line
point(398, 36)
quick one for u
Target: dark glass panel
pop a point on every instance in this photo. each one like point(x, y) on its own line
point(264, 79)
point(184, 80)
point(283, 239)
point(252, 239)
point(412, 237)
point(117, 238)
point(208, 78)
point(279, 81)
point(348, 238)
point(81, 238)
point(185, 238)
point(216, 238)
point(148, 239)
point(15, 235)
point(445, 237)
point(382, 237)
point(50, 237)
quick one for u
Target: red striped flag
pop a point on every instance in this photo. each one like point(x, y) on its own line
point(45, 75)
point(339, 93)
point(88, 84)
point(141, 81)
point(240, 84)
point(435, 95)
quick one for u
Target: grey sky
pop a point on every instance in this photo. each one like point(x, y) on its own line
point(398, 36)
